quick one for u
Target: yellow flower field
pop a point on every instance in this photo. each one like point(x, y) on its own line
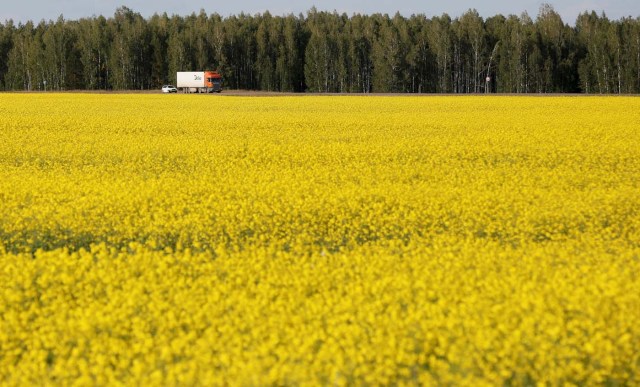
point(319, 240)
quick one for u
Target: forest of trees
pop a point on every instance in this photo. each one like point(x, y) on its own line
point(328, 52)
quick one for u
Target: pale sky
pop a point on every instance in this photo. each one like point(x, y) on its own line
point(36, 10)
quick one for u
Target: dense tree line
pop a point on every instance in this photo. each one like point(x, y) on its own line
point(328, 52)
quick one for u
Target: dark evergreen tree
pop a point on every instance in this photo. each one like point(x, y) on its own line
point(6, 43)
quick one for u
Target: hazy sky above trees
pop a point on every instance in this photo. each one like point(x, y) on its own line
point(36, 10)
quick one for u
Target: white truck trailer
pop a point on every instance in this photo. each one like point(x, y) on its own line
point(199, 81)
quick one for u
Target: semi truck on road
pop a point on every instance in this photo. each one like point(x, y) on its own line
point(199, 81)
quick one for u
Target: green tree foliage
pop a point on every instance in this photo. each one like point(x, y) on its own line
point(390, 51)
point(327, 52)
point(6, 43)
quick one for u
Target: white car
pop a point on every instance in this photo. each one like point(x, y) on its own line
point(169, 89)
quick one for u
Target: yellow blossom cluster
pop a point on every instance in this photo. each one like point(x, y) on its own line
point(319, 240)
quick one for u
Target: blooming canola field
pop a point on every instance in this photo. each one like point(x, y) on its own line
point(319, 240)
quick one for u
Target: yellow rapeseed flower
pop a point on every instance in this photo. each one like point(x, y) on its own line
point(319, 240)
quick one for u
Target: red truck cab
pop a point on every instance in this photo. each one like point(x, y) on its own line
point(213, 81)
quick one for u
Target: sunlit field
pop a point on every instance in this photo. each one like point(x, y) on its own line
point(319, 240)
